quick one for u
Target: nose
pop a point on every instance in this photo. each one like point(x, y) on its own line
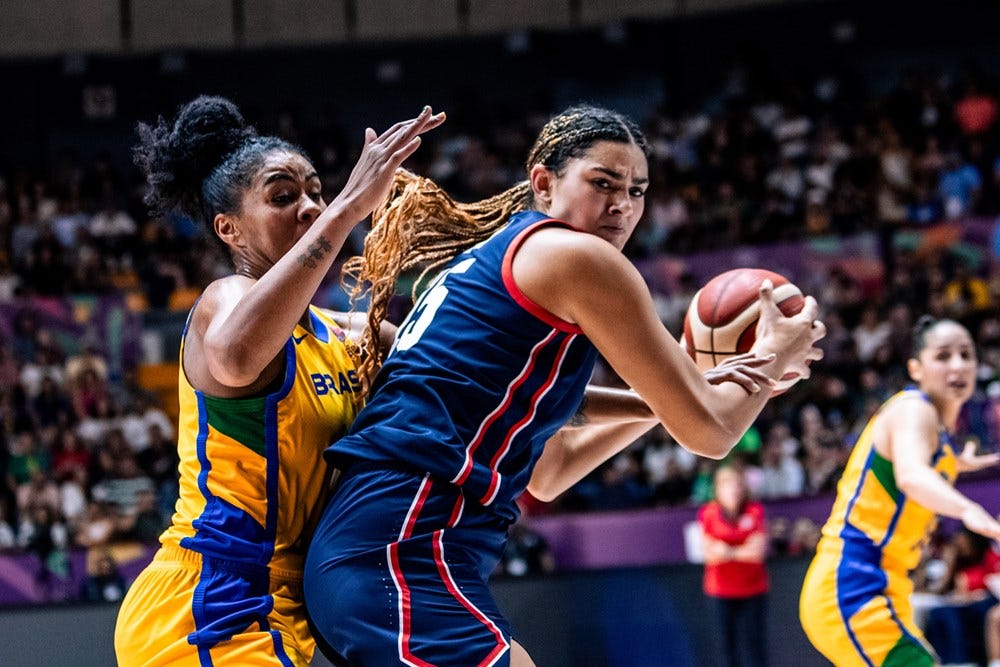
point(309, 208)
point(621, 203)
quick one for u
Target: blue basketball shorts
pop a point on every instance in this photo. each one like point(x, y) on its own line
point(397, 574)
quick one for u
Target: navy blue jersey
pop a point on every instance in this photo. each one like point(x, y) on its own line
point(478, 379)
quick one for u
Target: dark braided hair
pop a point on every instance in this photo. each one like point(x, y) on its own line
point(200, 164)
point(419, 225)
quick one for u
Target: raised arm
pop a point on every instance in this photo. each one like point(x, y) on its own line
point(243, 323)
point(585, 280)
point(910, 431)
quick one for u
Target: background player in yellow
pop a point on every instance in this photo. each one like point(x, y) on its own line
point(266, 382)
point(855, 603)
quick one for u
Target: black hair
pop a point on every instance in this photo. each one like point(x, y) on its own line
point(571, 133)
point(920, 331)
point(199, 164)
point(420, 225)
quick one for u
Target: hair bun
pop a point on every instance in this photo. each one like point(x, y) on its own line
point(178, 157)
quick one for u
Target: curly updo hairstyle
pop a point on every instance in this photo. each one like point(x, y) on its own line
point(200, 164)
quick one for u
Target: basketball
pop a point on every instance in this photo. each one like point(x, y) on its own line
point(721, 321)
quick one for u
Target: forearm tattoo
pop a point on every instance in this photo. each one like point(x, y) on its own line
point(315, 252)
point(580, 418)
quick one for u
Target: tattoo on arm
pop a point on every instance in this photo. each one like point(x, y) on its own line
point(315, 252)
point(579, 418)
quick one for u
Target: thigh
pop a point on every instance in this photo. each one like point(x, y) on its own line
point(852, 614)
point(158, 625)
point(407, 583)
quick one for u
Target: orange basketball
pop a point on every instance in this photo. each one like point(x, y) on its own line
point(721, 321)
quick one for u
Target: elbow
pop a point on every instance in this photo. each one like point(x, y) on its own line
point(542, 490)
point(713, 442)
point(905, 483)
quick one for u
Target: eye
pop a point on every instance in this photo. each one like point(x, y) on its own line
point(637, 192)
point(316, 196)
point(602, 183)
point(283, 198)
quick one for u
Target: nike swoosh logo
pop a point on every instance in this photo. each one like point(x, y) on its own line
point(299, 339)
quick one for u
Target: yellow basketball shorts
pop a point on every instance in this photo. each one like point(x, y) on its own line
point(183, 610)
point(859, 615)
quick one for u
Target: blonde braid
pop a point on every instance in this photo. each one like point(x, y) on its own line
point(418, 225)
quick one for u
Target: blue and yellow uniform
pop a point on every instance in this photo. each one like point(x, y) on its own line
point(855, 603)
point(225, 588)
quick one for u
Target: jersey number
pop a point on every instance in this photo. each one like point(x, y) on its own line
point(423, 313)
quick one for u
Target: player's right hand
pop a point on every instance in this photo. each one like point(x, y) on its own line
point(791, 338)
point(382, 154)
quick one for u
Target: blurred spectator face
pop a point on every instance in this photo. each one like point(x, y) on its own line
point(730, 489)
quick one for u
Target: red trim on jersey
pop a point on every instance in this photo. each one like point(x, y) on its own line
point(456, 512)
point(403, 640)
point(449, 583)
point(491, 492)
point(515, 291)
point(463, 474)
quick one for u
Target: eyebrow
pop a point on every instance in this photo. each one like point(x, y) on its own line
point(614, 174)
point(285, 176)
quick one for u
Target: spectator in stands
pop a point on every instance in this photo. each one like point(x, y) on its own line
point(87, 393)
point(104, 583)
point(51, 406)
point(960, 184)
point(39, 490)
point(88, 358)
point(8, 537)
point(160, 462)
point(955, 629)
point(43, 534)
point(122, 490)
point(98, 527)
point(966, 295)
point(871, 331)
point(45, 364)
point(526, 552)
point(781, 472)
point(734, 530)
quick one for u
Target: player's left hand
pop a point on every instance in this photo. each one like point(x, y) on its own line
point(743, 369)
point(969, 461)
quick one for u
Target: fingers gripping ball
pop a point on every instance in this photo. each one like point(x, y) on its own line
point(722, 319)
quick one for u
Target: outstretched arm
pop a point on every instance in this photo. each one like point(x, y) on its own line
point(911, 430)
point(262, 313)
point(609, 420)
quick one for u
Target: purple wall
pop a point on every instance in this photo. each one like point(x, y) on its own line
point(656, 536)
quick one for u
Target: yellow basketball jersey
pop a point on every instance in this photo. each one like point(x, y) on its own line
point(252, 470)
point(871, 510)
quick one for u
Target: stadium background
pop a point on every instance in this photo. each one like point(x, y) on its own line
point(80, 75)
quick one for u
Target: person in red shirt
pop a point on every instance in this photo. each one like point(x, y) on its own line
point(735, 544)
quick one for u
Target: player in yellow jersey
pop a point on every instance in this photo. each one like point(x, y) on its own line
point(855, 604)
point(266, 383)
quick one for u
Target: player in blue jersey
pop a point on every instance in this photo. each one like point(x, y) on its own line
point(490, 363)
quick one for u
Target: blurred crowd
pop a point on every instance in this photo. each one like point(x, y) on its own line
point(87, 460)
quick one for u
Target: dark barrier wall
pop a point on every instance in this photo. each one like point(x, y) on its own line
point(616, 618)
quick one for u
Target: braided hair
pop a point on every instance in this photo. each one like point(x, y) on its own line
point(200, 164)
point(420, 225)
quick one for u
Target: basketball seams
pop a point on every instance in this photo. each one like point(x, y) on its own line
point(734, 294)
